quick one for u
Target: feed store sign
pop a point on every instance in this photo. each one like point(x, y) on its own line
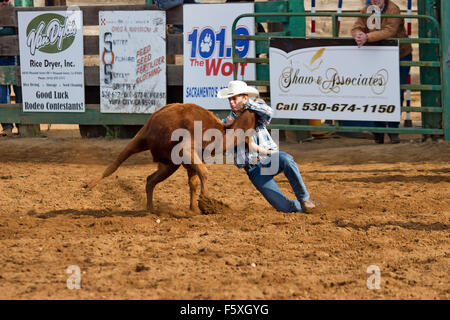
point(132, 53)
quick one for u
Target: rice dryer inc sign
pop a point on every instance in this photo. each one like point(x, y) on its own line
point(51, 61)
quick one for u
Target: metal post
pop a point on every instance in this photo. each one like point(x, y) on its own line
point(297, 28)
point(429, 52)
point(408, 121)
point(339, 10)
point(23, 3)
point(26, 130)
point(335, 26)
point(445, 43)
point(297, 25)
point(313, 19)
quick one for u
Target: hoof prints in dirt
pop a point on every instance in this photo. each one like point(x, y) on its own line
point(141, 267)
point(212, 206)
point(92, 213)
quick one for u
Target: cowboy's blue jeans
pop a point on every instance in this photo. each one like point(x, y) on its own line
point(269, 188)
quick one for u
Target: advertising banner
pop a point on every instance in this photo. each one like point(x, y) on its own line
point(51, 61)
point(334, 79)
point(208, 61)
point(132, 61)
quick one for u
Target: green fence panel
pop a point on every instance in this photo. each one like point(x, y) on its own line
point(263, 46)
point(445, 46)
point(271, 6)
point(262, 72)
point(8, 75)
point(429, 76)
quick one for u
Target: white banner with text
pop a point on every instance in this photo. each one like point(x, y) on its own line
point(132, 52)
point(334, 80)
point(51, 61)
point(208, 61)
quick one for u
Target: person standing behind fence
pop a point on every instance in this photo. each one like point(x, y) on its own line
point(6, 61)
point(389, 28)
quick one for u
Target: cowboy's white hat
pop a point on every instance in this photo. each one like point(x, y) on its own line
point(237, 87)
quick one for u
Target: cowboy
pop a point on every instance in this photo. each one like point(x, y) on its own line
point(263, 152)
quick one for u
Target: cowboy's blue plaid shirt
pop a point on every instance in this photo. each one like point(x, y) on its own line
point(242, 156)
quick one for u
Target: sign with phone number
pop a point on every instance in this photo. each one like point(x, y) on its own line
point(337, 107)
point(132, 51)
point(334, 79)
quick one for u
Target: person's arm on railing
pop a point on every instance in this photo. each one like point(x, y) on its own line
point(360, 25)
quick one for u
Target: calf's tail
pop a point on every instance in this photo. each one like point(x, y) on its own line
point(136, 145)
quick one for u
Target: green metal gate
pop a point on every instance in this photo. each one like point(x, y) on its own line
point(435, 96)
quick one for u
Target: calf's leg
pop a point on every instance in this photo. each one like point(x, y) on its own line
point(194, 181)
point(200, 168)
point(162, 173)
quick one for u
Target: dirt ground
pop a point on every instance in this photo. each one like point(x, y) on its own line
point(383, 205)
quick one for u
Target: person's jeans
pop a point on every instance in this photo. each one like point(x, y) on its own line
point(269, 188)
point(404, 72)
point(4, 89)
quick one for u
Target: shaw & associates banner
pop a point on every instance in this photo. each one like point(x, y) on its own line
point(334, 79)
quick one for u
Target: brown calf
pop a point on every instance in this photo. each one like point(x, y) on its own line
point(156, 135)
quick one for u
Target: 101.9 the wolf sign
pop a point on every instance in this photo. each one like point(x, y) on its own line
point(208, 64)
point(334, 79)
point(51, 61)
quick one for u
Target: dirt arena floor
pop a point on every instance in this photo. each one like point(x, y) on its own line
point(383, 205)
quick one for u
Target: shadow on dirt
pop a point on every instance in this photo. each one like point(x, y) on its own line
point(92, 213)
point(103, 213)
point(437, 226)
point(443, 170)
point(400, 178)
